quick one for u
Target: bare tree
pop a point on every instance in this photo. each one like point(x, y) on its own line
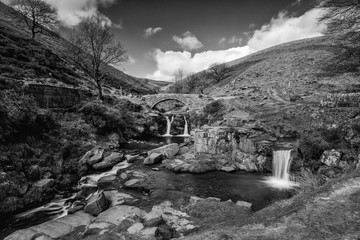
point(342, 18)
point(93, 47)
point(37, 14)
point(179, 75)
point(202, 81)
point(219, 71)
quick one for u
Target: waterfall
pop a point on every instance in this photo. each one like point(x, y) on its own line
point(168, 126)
point(186, 129)
point(281, 170)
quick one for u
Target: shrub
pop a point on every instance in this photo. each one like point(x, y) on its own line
point(108, 119)
point(20, 117)
point(307, 181)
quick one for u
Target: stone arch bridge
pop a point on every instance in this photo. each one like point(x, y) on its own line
point(189, 100)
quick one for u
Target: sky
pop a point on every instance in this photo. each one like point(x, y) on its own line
point(163, 36)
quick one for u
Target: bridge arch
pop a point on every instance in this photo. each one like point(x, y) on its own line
point(167, 99)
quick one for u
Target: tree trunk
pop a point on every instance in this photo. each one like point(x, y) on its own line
point(101, 97)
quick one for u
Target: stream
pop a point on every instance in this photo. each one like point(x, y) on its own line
point(162, 185)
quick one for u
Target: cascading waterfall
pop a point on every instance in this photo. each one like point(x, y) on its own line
point(186, 129)
point(281, 170)
point(168, 126)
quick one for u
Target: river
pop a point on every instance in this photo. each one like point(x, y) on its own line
point(164, 185)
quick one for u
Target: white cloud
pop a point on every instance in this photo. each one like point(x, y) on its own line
point(70, 12)
point(222, 41)
point(285, 29)
point(188, 42)
point(170, 61)
point(235, 40)
point(281, 29)
point(149, 32)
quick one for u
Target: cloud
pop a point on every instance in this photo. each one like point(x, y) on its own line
point(188, 42)
point(149, 32)
point(222, 41)
point(285, 29)
point(70, 12)
point(170, 61)
point(235, 40)
point(280, 29)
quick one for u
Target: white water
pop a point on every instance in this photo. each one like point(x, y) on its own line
point(281, 170)
point(186, 129)
point(168, 126)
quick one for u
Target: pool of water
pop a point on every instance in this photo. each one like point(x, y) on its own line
point(165, 185)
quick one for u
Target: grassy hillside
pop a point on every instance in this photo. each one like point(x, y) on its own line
point(42, 59)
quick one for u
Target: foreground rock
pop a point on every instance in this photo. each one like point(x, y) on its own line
point(96, 204)
point(54, 228)
point(168, 151)
point(153, 158)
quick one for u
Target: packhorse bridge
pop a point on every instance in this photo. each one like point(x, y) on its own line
point(189, 100)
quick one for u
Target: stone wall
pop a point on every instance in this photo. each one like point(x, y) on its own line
point(245, 152)
point(48, 96)
point(341, 100)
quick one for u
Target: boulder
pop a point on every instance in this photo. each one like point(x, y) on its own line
point(95, 156)
point(115, 215)
point(228, 169)
point(132, 159)
point(153, 158)
point(109, 161)
point(331, 157)
point(118, 198)
point(194, 199)
point(53, 228)
point(132, 183)
point(111, 182)
point(168, 151)
point(152, 218)
point(44, 184)
point(136, 228)
point(96, 204)
point(148, 233)
point(243, 204)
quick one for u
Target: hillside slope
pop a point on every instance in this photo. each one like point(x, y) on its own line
point(293, 70)
point(45, 55)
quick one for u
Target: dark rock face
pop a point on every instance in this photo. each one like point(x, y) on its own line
point(153, 158)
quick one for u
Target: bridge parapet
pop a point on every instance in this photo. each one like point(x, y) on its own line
point(190, 100)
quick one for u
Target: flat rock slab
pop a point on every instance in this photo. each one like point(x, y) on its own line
point(117, 214)
point(118, 198)
point(109, 161)
point(54, 228)
point(44, 184)
point(169, 150)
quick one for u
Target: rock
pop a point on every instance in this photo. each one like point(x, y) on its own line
point(243, 204)
point(164, 232)
point(228, 169)
point(132, 159)
point(93, 156)
point(123, 176)
point(76, 206)
point(155, 169)
point(111, 182)
point(168, 151)
point(117, 198)
point(109, 161)
point(173, 218)
point(213, 199)
point(331, 157)
point(136, 228)
point(194, 199)
point(131, 183)
point(53, 228)
point(148, 233)
point(96, 204)
point(153, 158)
point(115, 215)
point(152, 218)
point(44, 184)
